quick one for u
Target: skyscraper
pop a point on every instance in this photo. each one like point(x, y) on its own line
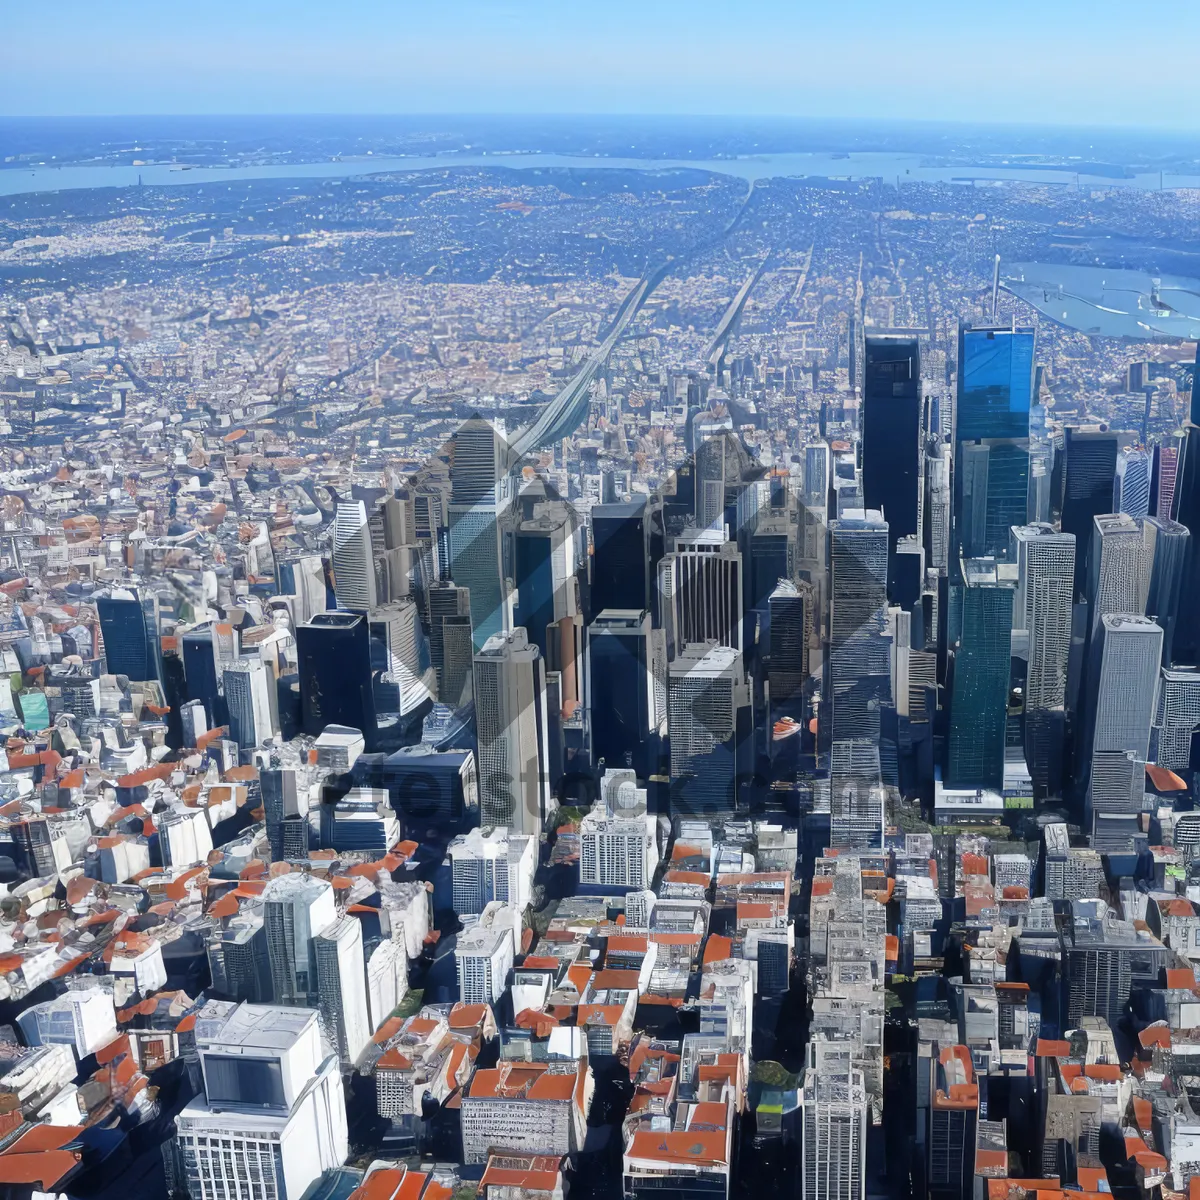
point(1131, 488)
point(833, 1112)
point(295, 909)
point(342, 987)
point(546, 552)
point(891, 435)
point(627, 541)
point(700, 587)
point(1042, 611)
point(478, 510)
point(792, 615)
point(511, 720)
point(1177, 718)
point(1090, 462)
point(272, 1118)
point(130, 631)
point(626, 681)
point(859, 663)
point(248, 702)
point(1167, 545)
point(353, 558)
point(706, 696)
point(979, 708)
point(1118, 579)
point(334, 651)
point(995, 398)
point(1119, 711)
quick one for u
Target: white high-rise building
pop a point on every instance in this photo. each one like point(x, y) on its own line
point(297, 907)
point(272, 1119)
point(1131, 490)
point(1178, 717)
point(1121, 712)
point(400, 626)
point(511, 722)
point(484, 954)
point(833, 1108)
point(341, 984)
point(1119, 579)
point(1042, 606)
point(617, 844)
point(353, 558)
point(248, 700)
point(497, 865)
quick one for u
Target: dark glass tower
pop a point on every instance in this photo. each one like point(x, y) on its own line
point(627, 544)
point(130, 638)
point(334, 650)
point(1090, 465)
point(891, 437)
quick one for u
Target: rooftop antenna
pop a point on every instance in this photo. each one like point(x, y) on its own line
point(995, 287)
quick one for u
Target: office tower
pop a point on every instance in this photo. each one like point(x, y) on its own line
point(1104, 959)
point(833, 1122)
point(1042, 611)
point(334, 652)
point(478, 502)
point(710, 473)
point(353, 558)
point(857, 813)
point(425, 784)
point(979, 708)
point(484, 958)
point(772, 558)
point(129, 627)
point(1186, 642)
point(627, 544)
point(281, 801)
point(511, 720)
point(1177, 717)
point(303, 579)
point(1119, 711)
point(202, 671)
point(1118, 579)
point(792, 613)
point(1167, 546)
point(295, 909)
point(194, 721)
point(705, 696)
point(617, 846)
point(1163, 470)
point(700, 589)
point(995, 396)
point(626, 682)
point(272, 1118)
point(496, 865)
point(891, 435)
point(953, 1122)
point(342, 988)
point(995, 383)
point(361, 820)
point(1131, 488)
point(238, 960)
point(859, 664)
point(403, 656)
point(248, 702)
point(994, 484)
point(449, 607)
point(546, 555)
point(816, 475)
point(938, 507)
point(1090, 463)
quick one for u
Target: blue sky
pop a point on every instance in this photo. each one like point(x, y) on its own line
point(1057, 61)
